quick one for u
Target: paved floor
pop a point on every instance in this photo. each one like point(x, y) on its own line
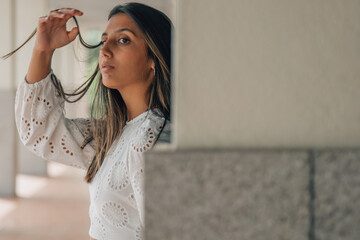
point(54, 207)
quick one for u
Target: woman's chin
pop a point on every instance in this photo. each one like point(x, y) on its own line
point(108, 82)
point(111, 85)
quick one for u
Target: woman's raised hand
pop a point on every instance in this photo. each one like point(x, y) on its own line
point(51, 34)
point(51, 30)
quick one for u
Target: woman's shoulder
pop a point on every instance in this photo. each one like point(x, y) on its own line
point(150, 131)
point(165, 128)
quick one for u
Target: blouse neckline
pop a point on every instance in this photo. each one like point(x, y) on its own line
point(137, 118)
point(143, 115)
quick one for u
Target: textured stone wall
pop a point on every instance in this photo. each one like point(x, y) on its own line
point(337, 194)
point(252, 194)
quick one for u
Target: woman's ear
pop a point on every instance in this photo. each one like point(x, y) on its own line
point(152, 64)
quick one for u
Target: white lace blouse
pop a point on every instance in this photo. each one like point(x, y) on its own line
point(116, 193)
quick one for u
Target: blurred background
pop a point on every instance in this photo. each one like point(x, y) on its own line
point(265, 124)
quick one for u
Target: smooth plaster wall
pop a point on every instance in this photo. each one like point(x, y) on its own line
point(7, 123)
point(26, 22)
point(267, 74)
point(6, 44)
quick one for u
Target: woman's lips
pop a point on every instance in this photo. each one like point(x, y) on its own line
point(106, 68)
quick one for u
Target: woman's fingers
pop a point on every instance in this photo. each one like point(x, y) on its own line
point(70, 11)
point(73, 33)
point(55, 14)
point(52, 31)
point(42, 19)
point(62, 13)
point(65, 13)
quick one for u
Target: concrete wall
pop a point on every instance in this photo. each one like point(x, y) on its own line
point(266, 124)
point(267, 74)
point(252, 194)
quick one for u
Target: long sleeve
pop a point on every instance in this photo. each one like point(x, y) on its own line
point(43, 128)
point(144, 140)
point(137, 176)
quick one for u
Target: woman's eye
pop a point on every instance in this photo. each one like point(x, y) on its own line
point(123, 40)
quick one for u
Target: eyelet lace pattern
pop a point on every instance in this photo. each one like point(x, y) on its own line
point(117, 191)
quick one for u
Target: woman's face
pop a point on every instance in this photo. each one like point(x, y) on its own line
point(123, 57)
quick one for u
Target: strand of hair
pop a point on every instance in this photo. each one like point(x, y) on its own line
point(14, 51)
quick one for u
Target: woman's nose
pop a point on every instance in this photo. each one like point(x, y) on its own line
point(105, 50)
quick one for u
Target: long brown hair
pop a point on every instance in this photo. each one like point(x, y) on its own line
point(108, 111)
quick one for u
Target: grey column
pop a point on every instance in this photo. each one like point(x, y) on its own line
point(7, 122)
point(26, 21)
point(7, 145)
point(232, 194)
point(266, 124)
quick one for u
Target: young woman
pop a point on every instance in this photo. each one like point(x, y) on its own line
point(130, 112)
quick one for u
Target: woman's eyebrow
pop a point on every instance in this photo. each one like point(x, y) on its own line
point(120, 30)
